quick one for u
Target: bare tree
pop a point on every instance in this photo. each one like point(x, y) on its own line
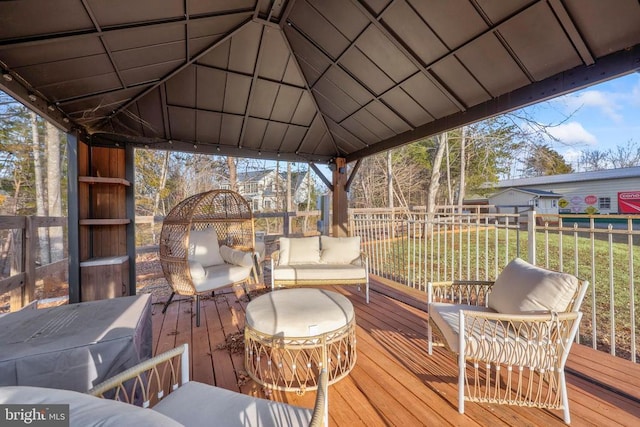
point(434, 182)
point(39, 186)
point(54, 204)
point(625, 156)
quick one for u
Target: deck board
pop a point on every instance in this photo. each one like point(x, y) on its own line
point(395, 381)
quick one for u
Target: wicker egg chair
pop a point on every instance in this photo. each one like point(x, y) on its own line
point(207, 242)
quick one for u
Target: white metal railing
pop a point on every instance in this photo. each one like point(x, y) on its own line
point(411, 249)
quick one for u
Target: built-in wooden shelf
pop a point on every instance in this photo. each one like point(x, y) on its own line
point(95, 221)
point(103, 180)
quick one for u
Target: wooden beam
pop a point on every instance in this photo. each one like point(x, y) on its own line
point(354, 171)
point(321, 176)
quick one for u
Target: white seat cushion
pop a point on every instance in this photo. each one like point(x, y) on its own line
point(299, 312)
point(217, 276)
point(525, 288)
point(86, 410)
point(333, 272)
point(204, 248)
point(339, 250)
point(446, 316)
point(197, 404)
point(304, 250)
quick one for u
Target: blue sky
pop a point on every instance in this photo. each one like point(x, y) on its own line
point(600, 117)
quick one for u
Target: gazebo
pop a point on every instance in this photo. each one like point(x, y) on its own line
point(313, 81)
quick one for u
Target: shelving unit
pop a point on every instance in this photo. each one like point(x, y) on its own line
point(103, 223)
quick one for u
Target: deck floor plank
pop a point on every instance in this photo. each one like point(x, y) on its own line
point(395, 381)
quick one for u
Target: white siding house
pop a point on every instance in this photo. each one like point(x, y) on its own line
point(266, 191)
point(521, 199)
point(587, 192)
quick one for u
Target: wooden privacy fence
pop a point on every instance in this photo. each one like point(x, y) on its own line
point(21, 251)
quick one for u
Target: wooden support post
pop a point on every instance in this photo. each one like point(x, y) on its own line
point(73, 217)
point(340, 202)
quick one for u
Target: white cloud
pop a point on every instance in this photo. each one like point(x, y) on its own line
point(572, 133)
point(607, 102)
point(572, 155)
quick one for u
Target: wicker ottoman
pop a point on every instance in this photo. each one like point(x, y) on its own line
point(291, 333)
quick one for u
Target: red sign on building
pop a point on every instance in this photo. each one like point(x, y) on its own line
point(591, 200)
point(629, 202)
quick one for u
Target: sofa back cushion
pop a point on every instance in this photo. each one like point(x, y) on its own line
point(526, 288)
point(303, 250)
point(203, 247)
point(339, 250)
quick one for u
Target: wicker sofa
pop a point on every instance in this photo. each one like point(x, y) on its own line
point(320, 260)
point(163, 384)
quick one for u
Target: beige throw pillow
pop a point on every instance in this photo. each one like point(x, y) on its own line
point(203, 247)
point(304, 250)
point(525, 288)
point(236, 256)
point(339, 250)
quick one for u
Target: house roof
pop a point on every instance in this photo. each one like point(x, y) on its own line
point(632, 172)
point(535, 192)
point(305, 80)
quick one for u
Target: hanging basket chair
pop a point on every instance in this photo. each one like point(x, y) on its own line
point(207, 242)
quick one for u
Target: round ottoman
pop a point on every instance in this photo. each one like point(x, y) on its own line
point(291, 334)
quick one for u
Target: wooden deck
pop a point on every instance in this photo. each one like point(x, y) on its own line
point(394, 381)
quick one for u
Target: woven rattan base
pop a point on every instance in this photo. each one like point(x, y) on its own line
point(293, 363)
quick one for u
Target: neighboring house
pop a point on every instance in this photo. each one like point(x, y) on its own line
point(523, 199)
point(608, 191)
point(266, 191)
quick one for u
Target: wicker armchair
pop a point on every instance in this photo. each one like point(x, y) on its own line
point(162, 383)
point(207, 243)
point(512, 336)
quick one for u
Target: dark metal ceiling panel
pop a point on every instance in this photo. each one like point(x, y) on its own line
point(148, 73)
point(218, 57)
point(539, 42)
point(366, 71)
point(244, 49)
point(492, 65)
point(181, 90)
point(236, 93)
point(385, 55)
point(211, 85)
point(454, 21)
point(22, 56)
point(149, 55)
point(273, 135)
point(359, 130)
point(388, 117)
point(277, 54)
point(412, 30)
point(150, 111)
point(80, 86)
point(264, 97)
point(305, 111)
point(373, 124)
point(208, 6)
point(430, 98)
point(182, 123)
point(254, 133)
point(594, 17)
point(328, 107)
point(343, 15)
point(292, 75)
point(41, 17)
point(312, 61)
point(318, 29)
point(348, 85)
point(336, 95)
point(460, 82)
point(291, 140)
point(286, 103)
point(144, 36)
point(115, 12)
point(209, 125)
point(230, 131)
point(406, 107)
point(498, 10)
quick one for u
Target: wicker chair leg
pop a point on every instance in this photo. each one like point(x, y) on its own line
point(166, 304)
point(197, 310)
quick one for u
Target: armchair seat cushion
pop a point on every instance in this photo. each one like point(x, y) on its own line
point(319, 272)
point(217, 276)
point(447, 318)
point(197, 404)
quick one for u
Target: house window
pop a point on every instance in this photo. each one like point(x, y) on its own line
point(225, 186)
point(536, 202)
point(554, 203)
point(256, 204)
point(604, 202)
point(267, 204)
point(250, 187)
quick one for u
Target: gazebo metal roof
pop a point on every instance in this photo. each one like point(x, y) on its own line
point(302, 80)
